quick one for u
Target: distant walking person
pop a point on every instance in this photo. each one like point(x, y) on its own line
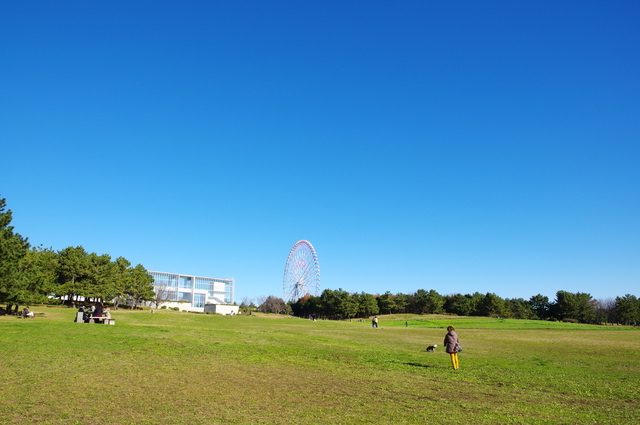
point(451, 345)
point(374, 322)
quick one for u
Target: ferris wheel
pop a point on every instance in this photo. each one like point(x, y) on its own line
point(302, 272)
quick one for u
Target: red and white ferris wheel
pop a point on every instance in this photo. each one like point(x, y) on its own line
point(302, 272)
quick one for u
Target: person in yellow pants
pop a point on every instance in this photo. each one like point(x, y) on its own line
point(454, 360)
point(451, 345)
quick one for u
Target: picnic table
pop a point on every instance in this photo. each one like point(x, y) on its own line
point(102, 319)
point(107, 320)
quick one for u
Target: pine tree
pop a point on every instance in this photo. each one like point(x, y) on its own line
point(13, 249)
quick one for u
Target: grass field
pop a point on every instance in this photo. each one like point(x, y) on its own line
point(184, 368)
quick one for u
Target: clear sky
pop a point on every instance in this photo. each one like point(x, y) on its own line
point(460, 146)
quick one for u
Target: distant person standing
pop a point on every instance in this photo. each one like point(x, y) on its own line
point(374, 322)
point(451, 345)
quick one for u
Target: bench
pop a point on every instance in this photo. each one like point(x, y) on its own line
point(104, 320)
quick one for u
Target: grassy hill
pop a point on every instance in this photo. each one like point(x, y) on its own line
point(183, 368)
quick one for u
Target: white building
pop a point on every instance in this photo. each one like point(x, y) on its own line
point(195, 293)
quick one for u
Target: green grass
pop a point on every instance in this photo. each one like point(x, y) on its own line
point(183, 368)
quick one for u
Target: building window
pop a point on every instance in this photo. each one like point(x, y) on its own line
point(198, 300)
point(185, 282)
point(203, 283)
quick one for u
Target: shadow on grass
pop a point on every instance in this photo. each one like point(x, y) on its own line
point(417, 365)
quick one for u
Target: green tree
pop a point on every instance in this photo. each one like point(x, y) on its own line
point(38, 276)
point(330, 303)
point(420, 301)
point(299, 307)
point(367, 305)
point(573, 306)
point(401, 303)
point(473, 303)
point(435, 302)
point(627, 310)
point(492, 305)
point(101, 283)
point(73, 272)
point(462, 305)
point(386, 303)
point(13, 249)
point(122, 278)
point(311, 305)
point(520, 309)
point(348, 305)
point(140, 287)
point(429, 302)
point(540, 306)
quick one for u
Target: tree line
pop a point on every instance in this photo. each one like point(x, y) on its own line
point(33, 275)
point(572, 307)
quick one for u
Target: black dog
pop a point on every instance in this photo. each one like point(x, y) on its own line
point(431, 348)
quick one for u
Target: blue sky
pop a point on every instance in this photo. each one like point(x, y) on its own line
point(459, 146)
